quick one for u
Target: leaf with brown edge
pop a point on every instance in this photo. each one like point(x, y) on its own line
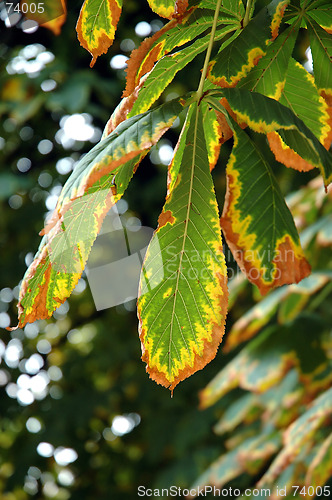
point(142, 59)
point(328, 139)
point(301, 96)
point(53, 16)
point(182, 300)
point(168, 8)
point(237, 59)
point(98, 181)
point(269, 75)
point(122, 110)
point(213, 133)
point(167, 67)
point(216, 127)
point(174, 34)
point(97, 24)
point(263, 115)
point(256, 222)
point(284, 154)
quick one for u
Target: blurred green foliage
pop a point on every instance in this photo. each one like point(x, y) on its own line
point(79, 418)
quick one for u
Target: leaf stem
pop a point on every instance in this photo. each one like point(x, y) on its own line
point(247, 14)
point(208, 52)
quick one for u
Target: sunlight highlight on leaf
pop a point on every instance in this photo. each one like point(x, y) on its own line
point(182, 317)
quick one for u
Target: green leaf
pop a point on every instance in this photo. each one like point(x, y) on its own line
point(322, 229)
point(212, 132)
point(265, 115)
point(182, 304)
point(167, 67)
point(174, 34)
point(179, 31)
point(257, 224)
point(97, 24)
point(301, 96)
point(235, 61)
point(231, 8)
point(269, 76)
point(236, 286)
point(98, 181)
point(321, 48)
point(275, 401)
point(320, 11)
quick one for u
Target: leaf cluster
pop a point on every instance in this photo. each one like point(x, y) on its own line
point(249, 80)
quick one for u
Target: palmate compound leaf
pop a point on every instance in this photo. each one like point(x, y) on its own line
point(98, 181)
point(182, 317)
point(256, 222)
point(237, 59)
point(97, 24)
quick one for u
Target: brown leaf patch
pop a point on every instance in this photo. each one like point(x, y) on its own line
point(286, 155)
point(164, 218)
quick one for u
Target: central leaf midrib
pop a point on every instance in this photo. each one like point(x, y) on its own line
point(184, 236)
